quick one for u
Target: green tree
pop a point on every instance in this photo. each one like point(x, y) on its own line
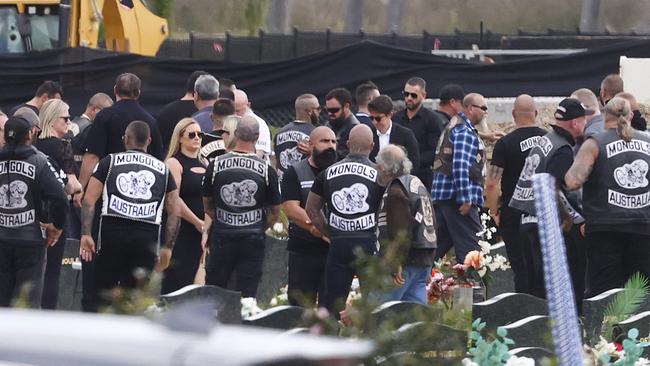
point(254, 15)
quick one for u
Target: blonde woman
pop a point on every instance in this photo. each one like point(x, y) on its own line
point(54, 120)
point(228, 134)
point(188, 170)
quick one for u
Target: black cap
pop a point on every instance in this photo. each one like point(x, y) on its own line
point(451, 91)
point(571, 108)
point(16, 129)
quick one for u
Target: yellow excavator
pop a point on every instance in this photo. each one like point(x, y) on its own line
point(35, 25)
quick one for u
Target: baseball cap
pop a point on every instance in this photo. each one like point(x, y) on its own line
point(451, 91)
point(16, 128)
point(29, 115)
point(571, 108)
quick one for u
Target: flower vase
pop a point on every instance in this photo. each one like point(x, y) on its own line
point(479, 291)
point(463, 298)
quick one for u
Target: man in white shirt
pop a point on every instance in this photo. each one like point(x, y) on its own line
point(242, 108)
point(381, 113)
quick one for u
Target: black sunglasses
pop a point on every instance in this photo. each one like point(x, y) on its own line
point(377, 118)
point(412, 95)
point(484, 108)
point(333, 110)
point(193, 135)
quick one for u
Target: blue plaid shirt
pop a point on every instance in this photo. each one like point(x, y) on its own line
point(465, 140)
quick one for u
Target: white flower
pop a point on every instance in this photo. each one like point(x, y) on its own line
point(482, 271)
point(355, 284)
point(249, 307)
point(642, 362)
point(520, 361)
point(278, 227)
point(485, 246)
point(468, 362)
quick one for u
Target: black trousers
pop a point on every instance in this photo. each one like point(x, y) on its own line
point(306, 278)
point(241, 254)
point(21, 266)
point(576, 258)
point(612, 257)
point(53, 274)
point(509, 229)
point(126, 258)
point(456, 230)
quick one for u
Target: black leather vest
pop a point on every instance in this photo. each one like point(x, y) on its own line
point(523, 197)
point(19, 210)
point(239, 191)
point(213, 148)
point(443, 162)
point(286, 145)
point(306, 179)
point(354, 197)
point(135, 187)
point(423, 229)
point(618, 191)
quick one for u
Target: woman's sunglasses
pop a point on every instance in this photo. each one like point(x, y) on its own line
point(193, 135)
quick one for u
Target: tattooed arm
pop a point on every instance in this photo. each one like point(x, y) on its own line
point(582, 165)
point(87, 244)
point(313, 207)
point(492, 191)
point(172, 208)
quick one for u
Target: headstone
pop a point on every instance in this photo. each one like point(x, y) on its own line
point(533, 331)
point(227, 303)
point(275, 270)
point(507, 308)
point(70, 289)
point(502, 281)
point(279, 317)
point(593, 310)
point(399, 313)
point(536, 353)
point(639, 321)
point(436, 343)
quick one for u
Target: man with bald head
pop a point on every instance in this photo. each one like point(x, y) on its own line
point(241, 196)
point(595, 122)
point(243, 108)
point(508, 159)
point(638, 121)
point(307, 245)
point(288, 140)
point(351, 192)
point(457, 188)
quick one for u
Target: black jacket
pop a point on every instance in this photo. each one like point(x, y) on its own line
point(400, 135)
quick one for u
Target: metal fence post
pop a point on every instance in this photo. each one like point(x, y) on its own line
point(328, 38)
point(295, 41)
point(191, 35)
point(425, 38)
point(261, 44)
point(226, 55)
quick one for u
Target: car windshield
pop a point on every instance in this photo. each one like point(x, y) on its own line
point(45, 31)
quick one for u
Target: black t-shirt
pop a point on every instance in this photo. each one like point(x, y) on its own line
point(510, 153)
point(111, 223)
point(59, 151)
point(169, 116)
point(291, 191)
point(427, 129)
point(106, 132)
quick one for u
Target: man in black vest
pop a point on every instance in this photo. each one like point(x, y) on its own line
point(288, 139)
point(307, 245)
point(241, 196)
point(135, 187)
point(508, 159)
point(553, 154)
point(387, 132)
point(338, 104)
point(26, 179)
point(407, 230)
point(212, 144)
point(613, 166)
point(351, 192)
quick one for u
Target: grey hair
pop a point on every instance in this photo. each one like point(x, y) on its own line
point(248, 129)
point(207, 87)
point(394, 161)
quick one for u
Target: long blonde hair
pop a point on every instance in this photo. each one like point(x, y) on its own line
point(51, 110)
point(175, 143)
point(619, 109)
point(230, 125)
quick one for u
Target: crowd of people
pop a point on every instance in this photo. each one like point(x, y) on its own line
point(195, 188)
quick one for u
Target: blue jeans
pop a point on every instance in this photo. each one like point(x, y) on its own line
point(340, 270)
point(414, 288)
